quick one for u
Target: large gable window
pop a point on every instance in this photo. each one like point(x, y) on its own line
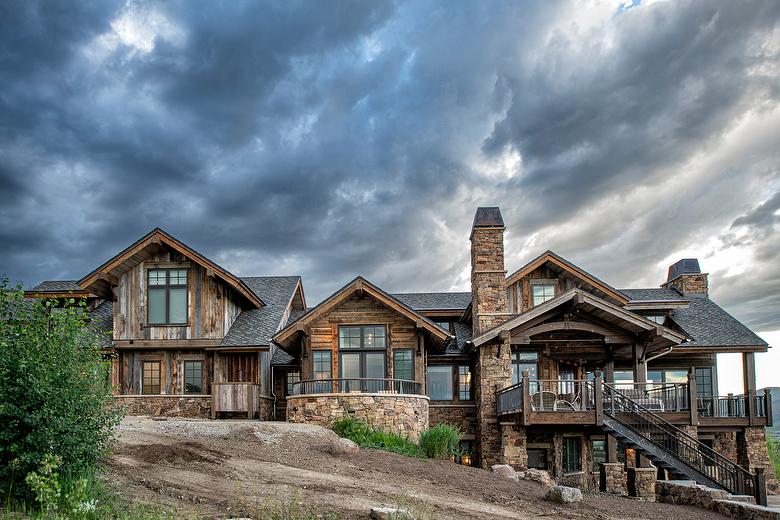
point(362, 356)
point(542, 292)
point(167, 301)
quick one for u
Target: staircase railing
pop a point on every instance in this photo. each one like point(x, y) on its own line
point(676, 442)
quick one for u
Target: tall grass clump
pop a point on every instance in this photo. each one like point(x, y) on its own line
point(57, 414)
point(773, 447)
point(441, 442)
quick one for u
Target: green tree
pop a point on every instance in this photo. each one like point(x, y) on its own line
point(55, 394)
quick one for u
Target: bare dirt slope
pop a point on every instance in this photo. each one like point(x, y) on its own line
point(238, 468)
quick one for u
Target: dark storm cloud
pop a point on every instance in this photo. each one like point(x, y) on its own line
point(331, 139)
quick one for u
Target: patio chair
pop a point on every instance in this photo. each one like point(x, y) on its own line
point(544, 401)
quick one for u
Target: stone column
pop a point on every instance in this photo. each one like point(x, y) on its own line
point(513, 446)
point(612, 478)
point(641, 483)
point(752, 453)
point(493, 371)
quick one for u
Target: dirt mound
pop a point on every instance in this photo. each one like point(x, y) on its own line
point(176, 454)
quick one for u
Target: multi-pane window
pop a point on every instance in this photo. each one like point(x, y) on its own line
point(657, 318)
point(151, 377)
point(704, 384)
point(321, 369)
point(599, 449)
point(542, 292)
point(293, 376)
point(193, 377)
point(362, 356)
point(524, 361)
point(440, 382)
point(403, 364)
point(571, 454)
point(464, 383)
point(167, 296)
point(443, 324)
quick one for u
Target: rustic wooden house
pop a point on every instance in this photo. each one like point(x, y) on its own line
point(549, 367)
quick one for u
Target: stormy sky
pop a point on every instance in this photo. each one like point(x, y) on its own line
point(330, 139)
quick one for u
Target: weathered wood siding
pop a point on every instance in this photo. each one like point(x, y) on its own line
point(401, 334)
point(519, 294)
point(212, 306)
point(130, 369)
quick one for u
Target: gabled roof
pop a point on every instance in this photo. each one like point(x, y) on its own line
point(356, 285)
point(565, 265)
point(435, 301)
point(136, 253)
point(710, 326)
point(255, 327)
point(654, 294)
point(55, 289)
point(602, 308)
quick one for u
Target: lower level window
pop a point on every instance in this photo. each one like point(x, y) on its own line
point(571, 454)
point(537, 458)
point(193, 377)
point(151, 377)
point(293, 376)
point(440, 383)
point(599, 450)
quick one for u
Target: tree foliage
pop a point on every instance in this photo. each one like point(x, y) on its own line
point(55, 393)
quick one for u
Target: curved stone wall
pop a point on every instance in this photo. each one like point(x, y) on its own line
point(405, 415)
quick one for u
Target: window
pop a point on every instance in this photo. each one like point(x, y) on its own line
point(657, 318)
point(362, 356)
point(537, 458)
point(151, 377)
point(675, 376)
point(542, 292)
point(524, 361)
point(624, 379)
point(321, 369)
point(193, 377)
point(403, 364)
point(167, 296)
point(440, 382)
point(599, 449)
point(571, 454)
point(293, 376)
point(466, 452)
point(464, 383)
point(443, 324)
point(704, 386)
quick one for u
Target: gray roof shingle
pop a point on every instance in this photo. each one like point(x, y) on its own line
point(439, 301)
point(710, 326)
point(281, 357)
point(653, 294)
point(462, 335)
point(257, 326)
point(57, 286)
point(101, 320)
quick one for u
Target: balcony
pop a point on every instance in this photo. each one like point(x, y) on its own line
point(357, 386)
point(581, 402)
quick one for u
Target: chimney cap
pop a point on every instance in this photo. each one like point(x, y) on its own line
point(488, 217)
point(684, 266)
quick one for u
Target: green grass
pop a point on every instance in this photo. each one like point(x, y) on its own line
point(439, 442)
point(773, 447)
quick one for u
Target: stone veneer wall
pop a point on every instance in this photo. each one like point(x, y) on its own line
point(689, 493)
point(612, 478)
point(402, 414)
point(189, 406)
point(641, 482)
point(725, 443)
point(493, 370)
point(752, 454)
point(513, 446)
point(462, 416)
point(690, 283)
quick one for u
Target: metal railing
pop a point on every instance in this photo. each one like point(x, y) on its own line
point(676, 442)
point(556, 395)
point(357, 385)
point(658, 397)
point(724, 406)
point(510, 399)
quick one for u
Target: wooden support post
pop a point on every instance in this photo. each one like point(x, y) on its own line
point(609, 371)
point(693, 401)
point(640, 364)
point(749, 377)
point(526, 382)
point(598, 398)
point(759, 485)
point(213, 400)
point(611, 449)
point(768, 407)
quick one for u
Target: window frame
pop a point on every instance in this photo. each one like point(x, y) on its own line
point(411, 354)
point(565, 449)
point(516, 362)
point(167, 286)
point(468, 384)
point(543, 285)
point(544, 454)
point(324, 386)
point(453, 384)
point(144, 363)
point(288, 383)
point(362, 351)
point(202, 378)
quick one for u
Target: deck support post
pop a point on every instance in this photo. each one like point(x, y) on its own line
point(598, 398)
point(749, 378)
point(693, 400)
point(526, 382)
point(759, 485)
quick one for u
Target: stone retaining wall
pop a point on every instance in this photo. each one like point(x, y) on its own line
point(612, 478)
point(189, 406)
point(641, 482)
point(686, 492)
point(405, 415)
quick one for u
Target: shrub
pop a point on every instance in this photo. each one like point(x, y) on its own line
point(56, 411)
point(441, 442)
point(366, 437)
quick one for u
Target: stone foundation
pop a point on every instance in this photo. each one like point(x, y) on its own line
point(513, 444)
point(725, 443)
point(612, 478)
point(689, 493)
point(167, 405)
point(640, 482)
point(462, 416)
point(405, 415)
point(580, 480)
point(752, 454)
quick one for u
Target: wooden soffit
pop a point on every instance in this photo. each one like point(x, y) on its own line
point(101, 279)
point(362, 286)
point(571, 269)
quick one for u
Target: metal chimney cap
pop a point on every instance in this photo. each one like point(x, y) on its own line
point(488, 217)
point(684, 266)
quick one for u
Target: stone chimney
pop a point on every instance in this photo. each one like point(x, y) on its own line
point(488, 277)
point(686, 277)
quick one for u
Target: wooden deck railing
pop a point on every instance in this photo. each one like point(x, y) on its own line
point(357, 385)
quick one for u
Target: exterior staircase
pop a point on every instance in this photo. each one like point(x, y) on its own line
point(671, 448)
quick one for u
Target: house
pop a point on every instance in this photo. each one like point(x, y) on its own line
point(549, 367)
